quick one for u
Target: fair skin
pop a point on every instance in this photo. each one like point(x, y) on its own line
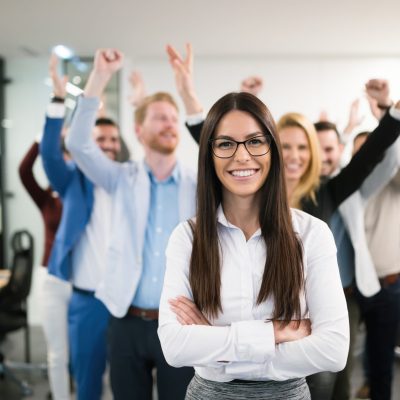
point(241, 177)
point(107, 138)
point(355, 119)
point(296, 155)
point(252, 84)
point(378, 93)
point(183, 71)
point(240, 193)
point(159, 135)
point(331, 151)
point(139, 90)
point(160, 120)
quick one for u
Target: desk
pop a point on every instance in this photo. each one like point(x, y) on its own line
point(4, 277)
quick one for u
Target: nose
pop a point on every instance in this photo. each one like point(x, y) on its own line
point(242, 154)
point(292, 153)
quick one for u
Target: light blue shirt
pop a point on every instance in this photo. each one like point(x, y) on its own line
point(163, 217)
point(345, 251)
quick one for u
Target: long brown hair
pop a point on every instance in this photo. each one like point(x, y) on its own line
point(283, 277)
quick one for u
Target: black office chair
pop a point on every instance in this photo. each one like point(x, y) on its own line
point(13, 303)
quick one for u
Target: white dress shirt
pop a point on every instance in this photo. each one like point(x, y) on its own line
point(239, 336)
point(89, 255)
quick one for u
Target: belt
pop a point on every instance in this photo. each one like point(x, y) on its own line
point(389, 280)
point(146, 314)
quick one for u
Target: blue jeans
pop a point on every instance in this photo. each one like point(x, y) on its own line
point(381, 314)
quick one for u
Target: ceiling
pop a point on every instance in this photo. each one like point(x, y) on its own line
point(217, 28)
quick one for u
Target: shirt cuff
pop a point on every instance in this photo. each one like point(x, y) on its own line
point(255, 340)
point(55, 110)
point(195, 119)
point(394, 112)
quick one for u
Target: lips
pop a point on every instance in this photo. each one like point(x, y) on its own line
point(292, 167)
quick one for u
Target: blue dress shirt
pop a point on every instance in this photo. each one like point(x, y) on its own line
point(162, 219)
point(345, 251)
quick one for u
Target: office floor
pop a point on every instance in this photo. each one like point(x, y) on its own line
point(14, 350)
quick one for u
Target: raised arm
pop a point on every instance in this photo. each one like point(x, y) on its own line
point(90, 159)
point(25, 170)
point(253, 84)
point(138, 88)
point(58, 172)
point(364, 161)
point(183, 71)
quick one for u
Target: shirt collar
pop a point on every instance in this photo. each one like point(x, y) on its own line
point(175, 176)
point(221, 218)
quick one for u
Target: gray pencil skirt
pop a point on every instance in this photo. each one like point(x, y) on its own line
point(203, 389)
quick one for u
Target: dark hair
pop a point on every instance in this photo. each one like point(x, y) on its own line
point(327, 126)
point(105, 121)
point(283, 277)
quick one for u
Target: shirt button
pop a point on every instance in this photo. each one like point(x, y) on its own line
point(157, 254)
point(159, 230)
point(155, 279)
point(159, 207)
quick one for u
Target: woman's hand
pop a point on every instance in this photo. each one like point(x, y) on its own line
point(186, 312)
point(295, 330)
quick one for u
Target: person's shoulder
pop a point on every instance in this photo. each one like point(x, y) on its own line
point(313, 232)
point(181, 237)
point(185, 229)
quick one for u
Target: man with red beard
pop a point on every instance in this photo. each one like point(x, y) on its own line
point(149, 199)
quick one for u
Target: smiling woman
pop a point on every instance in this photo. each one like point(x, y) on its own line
point(235, 303)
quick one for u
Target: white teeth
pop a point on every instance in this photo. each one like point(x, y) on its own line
point(292, 166)
point(247, 172)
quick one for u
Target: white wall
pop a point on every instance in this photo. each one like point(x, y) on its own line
point(306, 85)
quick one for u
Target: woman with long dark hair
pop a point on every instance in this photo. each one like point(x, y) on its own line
point(252, 296)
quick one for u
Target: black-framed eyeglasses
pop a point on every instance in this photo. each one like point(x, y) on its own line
point(256, 146)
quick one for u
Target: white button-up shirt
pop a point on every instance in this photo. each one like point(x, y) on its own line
point(240, 335)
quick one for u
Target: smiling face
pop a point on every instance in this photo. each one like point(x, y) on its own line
point(159, 129)
point(242, 174)
point(295, 151)
point(107, 138)
point(331, 151)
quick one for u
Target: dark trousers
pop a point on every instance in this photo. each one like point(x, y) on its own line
point(381, 314)
point(342, 388)
point(134, 351)
point(321, 385)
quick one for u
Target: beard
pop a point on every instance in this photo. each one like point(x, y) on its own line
point(164, 147)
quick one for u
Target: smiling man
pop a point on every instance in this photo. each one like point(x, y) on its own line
point(149, 199)
point(331, 147)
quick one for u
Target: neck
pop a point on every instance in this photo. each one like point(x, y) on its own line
point(161, 165)
point(243, 213)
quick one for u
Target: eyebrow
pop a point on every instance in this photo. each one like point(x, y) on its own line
point(248, 136)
